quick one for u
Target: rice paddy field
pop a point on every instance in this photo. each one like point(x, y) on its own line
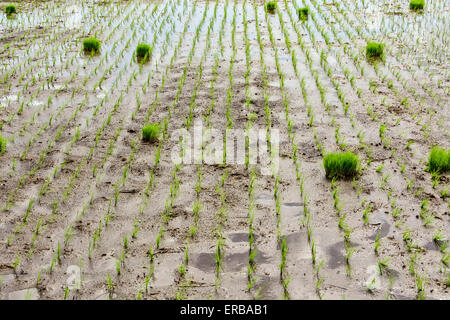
point(93, 206)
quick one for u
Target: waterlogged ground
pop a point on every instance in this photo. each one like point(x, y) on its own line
point(85, 199)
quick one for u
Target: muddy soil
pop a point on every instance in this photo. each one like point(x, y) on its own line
point(91, 211)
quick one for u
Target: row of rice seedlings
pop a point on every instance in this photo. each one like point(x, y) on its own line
point(181, 292)
point(251, 272)
point(222, 28)
point(221, 218)
point(230, 75)
point(284, 276)
point(265, 79)
point(251, 268)
point(411, 246)
point(212, 93)
point(221, 214)
point(253, 251)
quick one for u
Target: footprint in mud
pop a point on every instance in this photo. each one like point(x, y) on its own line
point(264, 199)
point(436, 245)
point(232, 262)
point(267, 284)
point(383, 230)
point(293, 240)
point(241, 237)
point(336, 254)
point(292, 204)
point(376, 280)
point(291, 211)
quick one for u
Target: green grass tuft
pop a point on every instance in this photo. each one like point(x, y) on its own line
point(271, 6)
point(10, 9)
point(150, 133)
point(143, 51)
point(416, 5)
point(303, 13)
point(341, 165)
point(439, 160)
point(91, 45)
point(3, 143)
point(374, 50)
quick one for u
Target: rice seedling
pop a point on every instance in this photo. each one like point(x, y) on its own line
point(151, 132)
point(374, 50)
point(377, 243)
point(10, 9)
point(91, 46)
point(446, 257)
point(341, 165)
point(416, 5)
point(303, 13)
point(444, 193)
point(438, 160)
point(379, 168)
point(3, 145)
point(383, 265)
point(370, 287)
point(420, 284)
point(271, 6)
point(143, 52)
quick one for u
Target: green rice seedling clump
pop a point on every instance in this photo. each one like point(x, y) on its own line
point(374, 50)
point(143, 51)
point(341, 165)
point(3, 143)
point(10, 9)
point(439, 160)
point(303, 13)
point(91, 45)
point(416, 5)
point(150, 132)
point(271, 6)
